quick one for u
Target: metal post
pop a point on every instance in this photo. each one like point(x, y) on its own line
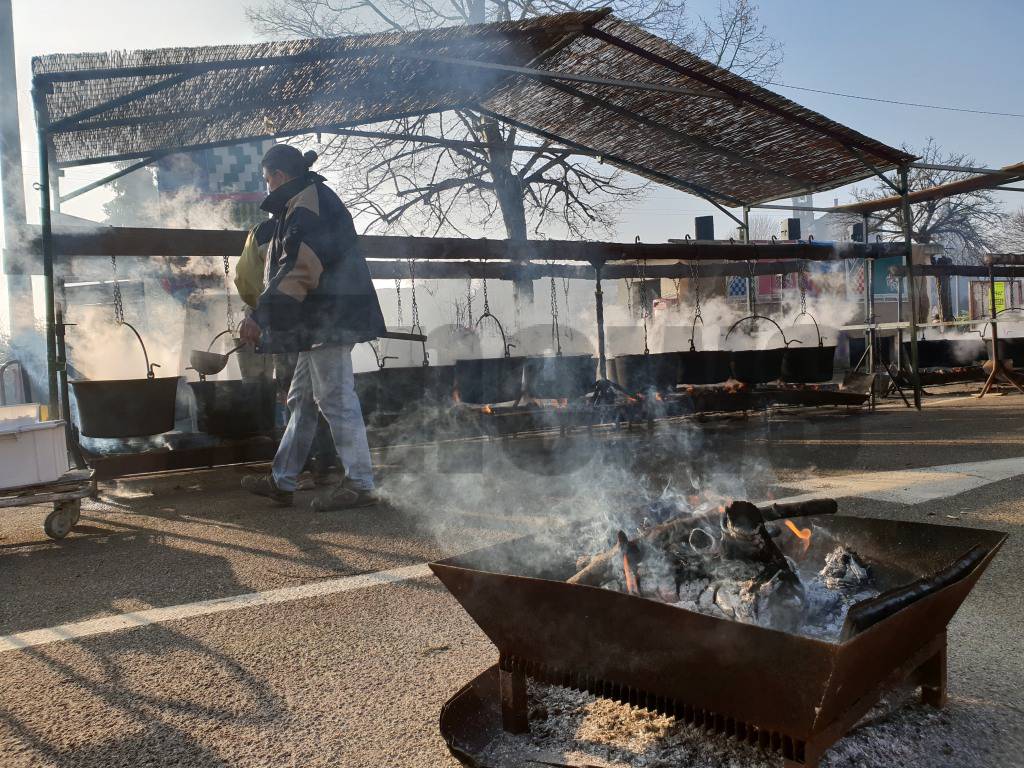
point(746, 239)
point(602, 360)
point(915, 377)
point(869, 309)
point(12, 185)
point(899, 319)
point(46, 238)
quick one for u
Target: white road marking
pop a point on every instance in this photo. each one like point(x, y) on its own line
point(913, 486)
point(109, 624)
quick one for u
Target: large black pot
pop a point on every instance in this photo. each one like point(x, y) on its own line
point(756, 366)
point(806, 365)
point(367, 392)
point(639, 373)
point(234, 408)
point(490, 380)
point(400, 388)
point(1011, 349)
point(946, 353)
point(560, 376)
point(696, 367)
point(125, 407)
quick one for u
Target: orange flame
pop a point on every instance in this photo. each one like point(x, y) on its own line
point(488, 410)
point(456, 396)
point(631, 586)
point(804, 534)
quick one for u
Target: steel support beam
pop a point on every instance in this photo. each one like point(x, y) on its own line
point(736, 94)
point(869, 311)
point(455, 143)
point(751, 302)
point(678, 134)
point(694, 189)
point(47, 252)
point(547, 76)
point(904, 191)
point(107, 179)
point(140, 93)
point(309, 57)
point(602, 355)
point(960, 168)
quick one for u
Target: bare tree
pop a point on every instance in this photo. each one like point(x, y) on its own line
point(962, 224)
point(764, 227)
point(736, 40)
point(1009, 236)
point(458, 169)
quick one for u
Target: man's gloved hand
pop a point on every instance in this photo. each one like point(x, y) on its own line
point(249, 331)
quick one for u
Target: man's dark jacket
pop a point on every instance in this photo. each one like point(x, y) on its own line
point(317, 286)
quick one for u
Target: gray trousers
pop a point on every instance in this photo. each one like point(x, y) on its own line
point(324, 381)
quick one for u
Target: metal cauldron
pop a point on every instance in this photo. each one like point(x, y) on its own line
point(810, 364)
point(947, 353)
point(234, 408)
point(400, 388)
point(757, 366)
point(492, 379)
point(560, 376)
point(707, 367)
point(118, 408)
point(641, 373)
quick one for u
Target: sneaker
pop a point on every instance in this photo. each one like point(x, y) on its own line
point(263, 485)
point(341, 497)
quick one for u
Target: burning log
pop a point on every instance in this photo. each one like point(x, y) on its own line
point(630, 554)
point(741, 526)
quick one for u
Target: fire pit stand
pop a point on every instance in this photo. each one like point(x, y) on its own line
point(787, 693)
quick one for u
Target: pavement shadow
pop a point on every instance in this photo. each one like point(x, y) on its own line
point(154, 729)
point(67, 581)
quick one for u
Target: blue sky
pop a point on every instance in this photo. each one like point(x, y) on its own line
point(931, 51)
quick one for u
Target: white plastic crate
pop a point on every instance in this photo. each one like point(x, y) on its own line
point(12, 416)
point(32, 453)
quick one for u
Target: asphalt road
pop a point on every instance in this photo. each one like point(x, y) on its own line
point(333, 667)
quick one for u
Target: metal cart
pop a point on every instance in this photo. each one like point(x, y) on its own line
point(65, 494)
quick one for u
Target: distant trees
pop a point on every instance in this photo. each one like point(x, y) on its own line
point(422, 185)
point(965, 225)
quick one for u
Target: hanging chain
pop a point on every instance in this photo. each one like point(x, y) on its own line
point(556, 339)
point(227, 293)
point(398, 296)
point(565, 290)
point(118, 303)
point(695, 281)
point(644, 306)
point(412, 291)
point(802, 278)
point(469, 302)
point(487, 304)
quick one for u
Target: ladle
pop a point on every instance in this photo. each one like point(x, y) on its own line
point(211, 363)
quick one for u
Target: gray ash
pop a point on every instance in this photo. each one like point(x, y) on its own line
point(570, 728)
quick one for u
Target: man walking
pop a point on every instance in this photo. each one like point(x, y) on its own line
point(318, 301)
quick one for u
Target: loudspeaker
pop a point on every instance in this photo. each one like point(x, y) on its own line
point(791, 229)
point(704, 227)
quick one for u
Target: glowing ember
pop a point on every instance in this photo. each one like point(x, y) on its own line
point(488, 410)
point(631, 585)
point(804, 534)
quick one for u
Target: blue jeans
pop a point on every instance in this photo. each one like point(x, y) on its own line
point(324, 381)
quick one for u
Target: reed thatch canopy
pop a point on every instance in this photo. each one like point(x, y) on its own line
point(587, 80)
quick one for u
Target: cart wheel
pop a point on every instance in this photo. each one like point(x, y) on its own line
point(63, 518)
